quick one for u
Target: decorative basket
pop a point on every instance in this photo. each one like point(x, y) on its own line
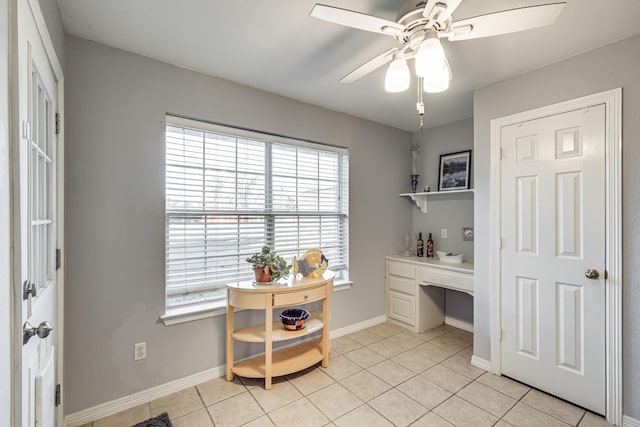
point(294, 319)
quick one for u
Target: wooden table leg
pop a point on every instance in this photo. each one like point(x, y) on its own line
point(229, 340)
point(326, 313)
point(268, 344)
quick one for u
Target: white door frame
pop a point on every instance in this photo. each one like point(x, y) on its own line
point(613, 242)
point(14, 136)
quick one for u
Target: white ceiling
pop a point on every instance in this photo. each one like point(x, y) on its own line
point(276, 46)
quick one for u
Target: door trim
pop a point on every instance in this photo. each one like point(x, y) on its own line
point(613, 241)
point(14, 141)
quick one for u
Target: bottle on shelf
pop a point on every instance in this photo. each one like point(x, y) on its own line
point(420, 251)
point(430, 246)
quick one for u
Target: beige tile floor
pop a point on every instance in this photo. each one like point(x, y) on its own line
point(381, 376)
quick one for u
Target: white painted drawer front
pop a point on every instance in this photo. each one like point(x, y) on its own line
point(402, 269)
point(402, 307)
point(447, 279)
point(402, 285)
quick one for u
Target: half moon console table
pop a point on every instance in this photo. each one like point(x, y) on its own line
point(294, 358)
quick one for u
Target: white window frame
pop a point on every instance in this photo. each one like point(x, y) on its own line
point(203, 309)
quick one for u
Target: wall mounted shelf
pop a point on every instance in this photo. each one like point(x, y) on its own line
point(420, 199)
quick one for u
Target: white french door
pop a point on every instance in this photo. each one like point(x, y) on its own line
point(36, 189)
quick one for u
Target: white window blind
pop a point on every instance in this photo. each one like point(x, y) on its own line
point(231, 191)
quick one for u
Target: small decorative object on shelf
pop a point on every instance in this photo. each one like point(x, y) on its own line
point(312, 264)
point(268, 266)
point(294, 319)
point(414, 182)
point(415, 151)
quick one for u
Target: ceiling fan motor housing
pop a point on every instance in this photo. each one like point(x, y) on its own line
point(411, 6)
point(417, 21)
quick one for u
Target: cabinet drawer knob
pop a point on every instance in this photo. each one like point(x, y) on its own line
point(306, 296)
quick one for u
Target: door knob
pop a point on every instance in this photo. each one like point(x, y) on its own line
point(42, 331)
point(591, 274)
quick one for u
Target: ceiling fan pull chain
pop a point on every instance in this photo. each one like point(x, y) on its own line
point(420, 103)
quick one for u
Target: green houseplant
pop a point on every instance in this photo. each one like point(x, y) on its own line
point(268, 266)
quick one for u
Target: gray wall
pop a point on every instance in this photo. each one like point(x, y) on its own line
point(447, 211)
point(116, 103)
point(52, 18)
point(5, 225)
point(611, 66)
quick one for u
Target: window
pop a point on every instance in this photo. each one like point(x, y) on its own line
point(42, 184)
point(230, 191)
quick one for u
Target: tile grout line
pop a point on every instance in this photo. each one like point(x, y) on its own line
point(443, 341)
point(204, 405)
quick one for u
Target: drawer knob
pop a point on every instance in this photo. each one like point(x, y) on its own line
point(306, 296)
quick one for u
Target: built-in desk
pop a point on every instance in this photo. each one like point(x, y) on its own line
point(415, 289)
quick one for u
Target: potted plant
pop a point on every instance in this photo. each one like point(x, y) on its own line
point(268, 266)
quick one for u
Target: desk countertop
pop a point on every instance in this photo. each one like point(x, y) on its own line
point(463, 267)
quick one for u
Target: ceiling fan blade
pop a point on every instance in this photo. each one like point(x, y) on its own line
point(357, 20)
point(506, 21)
point(441, 13)
point(370, 66)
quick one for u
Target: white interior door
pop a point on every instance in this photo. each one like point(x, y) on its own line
point(553, 237)
point(38, 207)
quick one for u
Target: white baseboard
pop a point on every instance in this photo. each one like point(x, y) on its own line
point(109, 408)
point(630, 422)
point(456, 323)
point(337, 333)
point(481, 363)
point(127, 402)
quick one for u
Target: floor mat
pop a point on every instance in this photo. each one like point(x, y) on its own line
point(161, 420)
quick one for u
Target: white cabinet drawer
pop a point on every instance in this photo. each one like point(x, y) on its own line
point(447, 279)
point(402, 269)
point(407, 286)
point(402, 307)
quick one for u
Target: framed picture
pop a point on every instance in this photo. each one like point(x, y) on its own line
point(454, 171)
point(467, 234)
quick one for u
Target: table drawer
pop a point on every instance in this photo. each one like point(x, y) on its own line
point(252, 300)
point(402, 269)
point(299, 297)
point(400, 284)
point(447, 279)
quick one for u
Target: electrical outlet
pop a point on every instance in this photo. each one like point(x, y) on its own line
point(443, 233)
point(140, 351)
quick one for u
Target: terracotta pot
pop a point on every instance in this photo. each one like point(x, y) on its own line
point(263, 274)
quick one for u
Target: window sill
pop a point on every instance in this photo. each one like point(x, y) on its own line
point(207, 310)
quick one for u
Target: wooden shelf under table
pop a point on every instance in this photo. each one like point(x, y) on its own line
point(285, 361)
point(279, 333)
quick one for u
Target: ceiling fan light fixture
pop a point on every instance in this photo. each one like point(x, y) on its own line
point(438, 82)
point(398, 76)
point(430, 56)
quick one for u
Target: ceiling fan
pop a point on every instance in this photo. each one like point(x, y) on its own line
point(418, 30)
